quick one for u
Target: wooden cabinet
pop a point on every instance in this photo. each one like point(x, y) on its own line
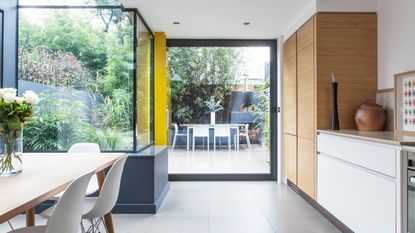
point(306, 166)
point(290, 86)
point(290, 161)
point(343, 43)
point(306, 93)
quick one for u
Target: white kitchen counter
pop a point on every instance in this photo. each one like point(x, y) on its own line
point(360, 178)
point(386, 137)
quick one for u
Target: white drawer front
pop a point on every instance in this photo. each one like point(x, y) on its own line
point(375, 156)
point(363, 201)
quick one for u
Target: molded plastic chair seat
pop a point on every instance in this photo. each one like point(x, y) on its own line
point(97, 207)
point(68, 211)
point(82, 148)
point(177, 134)
point(93, 187)
point(35, 229)
point(200, 132)
point(89, 203)
point(222, 131)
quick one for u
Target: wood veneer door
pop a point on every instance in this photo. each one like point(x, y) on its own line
point(306, 93)
point(306, 169)
point(346, 45)
point(305, 35)
point(289, 91)
point(290, 157)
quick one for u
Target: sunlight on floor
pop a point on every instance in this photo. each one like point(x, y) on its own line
point(201, 161)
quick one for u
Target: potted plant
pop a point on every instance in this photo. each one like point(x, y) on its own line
point(14, 112)
point(213, 106)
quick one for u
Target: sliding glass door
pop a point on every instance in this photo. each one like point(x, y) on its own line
point(221, 88)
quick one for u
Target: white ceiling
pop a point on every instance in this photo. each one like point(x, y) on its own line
point(220, 19)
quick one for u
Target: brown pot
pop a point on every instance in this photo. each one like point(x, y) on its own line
point(370, 117)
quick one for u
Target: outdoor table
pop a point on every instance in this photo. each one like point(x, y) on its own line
point(210, 126)
point(45, 175)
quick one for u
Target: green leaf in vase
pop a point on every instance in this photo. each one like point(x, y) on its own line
point(13, 123)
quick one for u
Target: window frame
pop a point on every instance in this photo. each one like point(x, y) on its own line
point(137, 16)
point(273, 45)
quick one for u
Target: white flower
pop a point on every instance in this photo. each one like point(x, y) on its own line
point(31, 97)
point(10, 90)
point(9, 97)
point(19, 100)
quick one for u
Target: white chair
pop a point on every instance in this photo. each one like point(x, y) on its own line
point(222, 131)
point(96, 207)
point(84, 148)
point(200, 132)
point(68, 211)
point(177, 134)
point(245, 134)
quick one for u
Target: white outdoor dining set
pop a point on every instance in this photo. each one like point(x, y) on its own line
point(220, 131)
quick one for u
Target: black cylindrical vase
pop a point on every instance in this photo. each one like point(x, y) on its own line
point(334, 110)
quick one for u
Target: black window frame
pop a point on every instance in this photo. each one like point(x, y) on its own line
point(273, 45)
point(137, 16)
point(1, 46)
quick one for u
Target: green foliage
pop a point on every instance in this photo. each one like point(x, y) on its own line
point(54, 68)
point(262, 113)
point(115, 112)
point(212, 105)
point(184, 115)
point(205, 72)
point(88, 50)
point(58, 123)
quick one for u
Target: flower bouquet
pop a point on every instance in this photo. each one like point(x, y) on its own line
point(14, 112)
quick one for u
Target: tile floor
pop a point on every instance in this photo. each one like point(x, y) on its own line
point(220, 161)
point(224, 207)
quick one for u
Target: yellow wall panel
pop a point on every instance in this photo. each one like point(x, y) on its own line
point(161, 91)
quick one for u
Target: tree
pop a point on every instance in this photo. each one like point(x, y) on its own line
point(204, 72)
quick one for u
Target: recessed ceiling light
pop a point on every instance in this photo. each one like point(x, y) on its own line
point(176, 23)
point(247, 23)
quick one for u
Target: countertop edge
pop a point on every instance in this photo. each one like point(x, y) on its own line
point(349, 134)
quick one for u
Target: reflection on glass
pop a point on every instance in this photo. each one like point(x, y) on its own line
point(143, 85)
point(231, 84)
point(81, 63)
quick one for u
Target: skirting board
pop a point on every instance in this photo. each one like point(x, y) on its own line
point(341, 226)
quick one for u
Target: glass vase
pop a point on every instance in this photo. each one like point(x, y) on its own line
point(11, 150)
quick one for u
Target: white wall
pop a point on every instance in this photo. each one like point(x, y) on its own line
point(396, 36)
point(346, 6)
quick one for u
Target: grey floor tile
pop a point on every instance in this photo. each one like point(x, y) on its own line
point(184, 209)
point(240, 225)
point(302, 225)
point(178, 225)
point(132, 223)
point(231, 195)
point(179, 195)
point(287, 209)
point(235, 210)
point(222, 207)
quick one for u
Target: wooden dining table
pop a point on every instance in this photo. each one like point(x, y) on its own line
point(45, 175)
